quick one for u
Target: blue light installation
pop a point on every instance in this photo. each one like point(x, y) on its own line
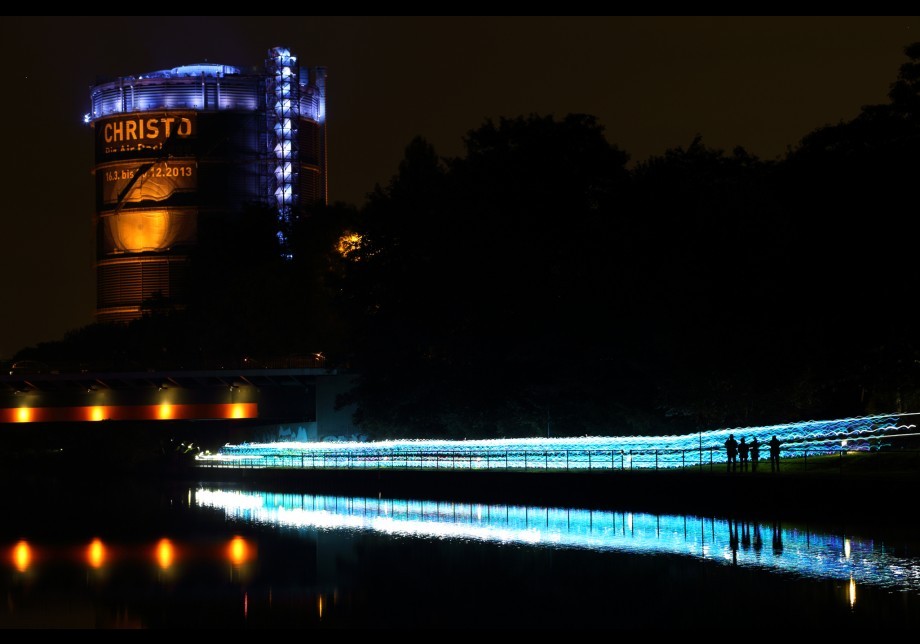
point(764, 545)
point(596, 452)
point(184, 87)
point(284, 97)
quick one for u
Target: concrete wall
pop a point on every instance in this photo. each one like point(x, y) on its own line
point(332, 423)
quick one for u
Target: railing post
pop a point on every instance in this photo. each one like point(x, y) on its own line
point(630, 460)
point(566, 460)
point(683, 458)
point(656, 460)
point(589, 459)
point(545, 460)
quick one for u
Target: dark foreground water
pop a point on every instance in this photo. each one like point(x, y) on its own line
point(129, 555)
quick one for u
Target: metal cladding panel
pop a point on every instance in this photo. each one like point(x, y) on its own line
point(231, 160)
point(107, 100)
point(230, 135)
point(242, 95)
point(309, 140)
point(311, 186)
point(128, 282)
point(193, 92)
point(228, 187)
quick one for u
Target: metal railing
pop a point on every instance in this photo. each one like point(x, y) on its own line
point(703, 459)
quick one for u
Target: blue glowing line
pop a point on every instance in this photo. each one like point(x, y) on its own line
point(754, 544)
point(599, 452)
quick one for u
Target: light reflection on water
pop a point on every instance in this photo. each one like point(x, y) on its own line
point(756, 544)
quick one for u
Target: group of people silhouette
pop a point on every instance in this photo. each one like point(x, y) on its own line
point(747, 534)
point(739, 452)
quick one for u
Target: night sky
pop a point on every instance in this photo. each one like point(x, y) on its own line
point(654, 83)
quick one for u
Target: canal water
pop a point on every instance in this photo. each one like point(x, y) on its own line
point(129, 555)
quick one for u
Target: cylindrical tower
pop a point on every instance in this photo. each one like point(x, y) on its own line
point(178, 149)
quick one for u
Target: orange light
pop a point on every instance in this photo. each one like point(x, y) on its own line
point(165, 411)
point(95, 553)
point(96, 413)
point(237, 411)
point(143, 230)
point(23, 415)
point(165, 553)
point(348, 243)
point(22, 556)
point(238, 551)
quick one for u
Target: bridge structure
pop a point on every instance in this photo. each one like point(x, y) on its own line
point(229, 404)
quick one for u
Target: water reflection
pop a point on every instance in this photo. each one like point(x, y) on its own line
point(22, 556)
point(238, 552)
point(95, 554)
point(732, 542)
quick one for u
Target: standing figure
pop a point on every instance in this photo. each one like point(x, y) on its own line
point(774, 454)
point(731, 449)
point(755, 454)
point(743, 453)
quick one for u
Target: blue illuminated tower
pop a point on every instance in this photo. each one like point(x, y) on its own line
point(180, 150)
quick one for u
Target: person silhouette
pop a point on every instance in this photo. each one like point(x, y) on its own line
point(755, 454)
point(777, 539)
point(743, 454)
point(733, 540)
point(758, 539)
point(774, 454)
point(731, 449)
